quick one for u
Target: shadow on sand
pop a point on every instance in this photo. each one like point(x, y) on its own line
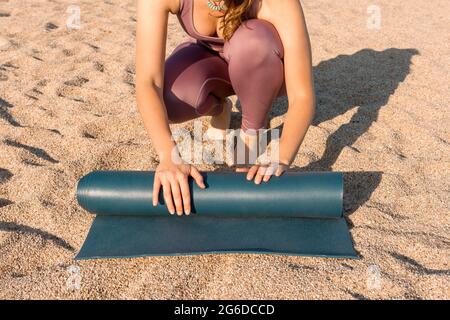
point(364, 80)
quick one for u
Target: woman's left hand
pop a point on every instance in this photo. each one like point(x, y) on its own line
point(261, 173)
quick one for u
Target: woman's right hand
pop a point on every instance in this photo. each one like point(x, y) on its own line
point(173, 178)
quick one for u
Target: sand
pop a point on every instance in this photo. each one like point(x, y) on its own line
point(68, 107)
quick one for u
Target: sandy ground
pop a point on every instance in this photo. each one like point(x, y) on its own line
point(67, 107)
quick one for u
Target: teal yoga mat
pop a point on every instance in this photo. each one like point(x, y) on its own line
point(295, 214)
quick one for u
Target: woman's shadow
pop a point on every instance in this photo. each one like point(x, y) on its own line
point(364, 80)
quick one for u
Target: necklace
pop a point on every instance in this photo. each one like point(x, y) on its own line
point(216, 5)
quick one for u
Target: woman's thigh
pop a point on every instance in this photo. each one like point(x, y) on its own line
point(195, 81)
point(255, 56)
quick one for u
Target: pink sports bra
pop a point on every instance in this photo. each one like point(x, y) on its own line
point(186, 18)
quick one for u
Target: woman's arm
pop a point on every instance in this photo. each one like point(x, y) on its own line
point(151, 36)
point(288, 18)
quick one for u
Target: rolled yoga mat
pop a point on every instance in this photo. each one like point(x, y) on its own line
point(295, 214)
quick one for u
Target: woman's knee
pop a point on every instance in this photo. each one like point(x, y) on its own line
point(193, 76)
point(254, 41)
point(185, 105)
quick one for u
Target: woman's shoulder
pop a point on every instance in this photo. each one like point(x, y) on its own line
point(263, 9)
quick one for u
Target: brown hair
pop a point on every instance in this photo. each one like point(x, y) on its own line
point(236, 12)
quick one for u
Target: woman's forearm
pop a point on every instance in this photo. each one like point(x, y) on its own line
point(151, 107)
point(297, 121)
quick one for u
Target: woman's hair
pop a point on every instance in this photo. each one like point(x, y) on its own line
point(236, 12)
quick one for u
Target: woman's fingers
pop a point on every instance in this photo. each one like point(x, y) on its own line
point(269, 172)
point(280, 170)
point(176, 194)
point(156, 188)
point(167, 191)
point(242, 169)
point(197, 177)
point(185, 193)
point(251, 172)
point(260, 174)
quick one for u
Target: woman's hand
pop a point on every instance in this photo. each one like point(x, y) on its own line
point(267, 166)
point(174, 180)
point(262, 173)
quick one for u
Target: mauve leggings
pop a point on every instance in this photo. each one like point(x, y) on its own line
point(197, 79)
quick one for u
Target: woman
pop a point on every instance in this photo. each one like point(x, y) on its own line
point(256, 49)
